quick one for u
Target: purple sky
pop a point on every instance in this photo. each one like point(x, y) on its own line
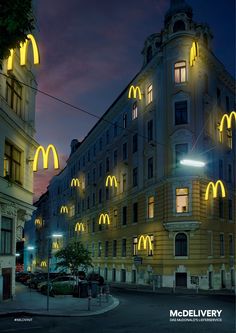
point(91, 49)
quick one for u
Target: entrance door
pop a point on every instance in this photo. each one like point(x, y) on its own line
point(134, 276)
point(6, 274)
point(181, 279)
point(210, 280)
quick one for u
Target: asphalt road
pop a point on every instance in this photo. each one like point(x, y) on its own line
point(137, 313)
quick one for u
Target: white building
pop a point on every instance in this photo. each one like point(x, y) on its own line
point(17, 146)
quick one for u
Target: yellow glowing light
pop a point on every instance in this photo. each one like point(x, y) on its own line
point(143, 240)
point(23, 52)
point(110, 180)
point(34, 262)
point(79, 227)
point(215, 189)
point(75, 182)
point(28, 269)
point(37, 222)
point(133, 91)
point(193, 53)
point(228, 119)
point(43, 264)
point(103, 219)
point(45, 155)
point(55, 245)
point(64, 210)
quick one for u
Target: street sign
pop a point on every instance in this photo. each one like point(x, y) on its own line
point(138, 260)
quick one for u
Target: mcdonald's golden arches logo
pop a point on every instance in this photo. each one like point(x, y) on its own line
point(43, 264)
point(214, 187)
point(144, 240)
point(228, 119)
point(193, 53)
point(64, 210)
point(55, 245)
point(37, 222)
point(134, 91)
point(75, 182)
point(103, 219)
point(110, 180)
point(23, 52)
point(79, 226)
point(45, 155)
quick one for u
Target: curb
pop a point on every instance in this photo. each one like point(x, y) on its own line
point(110, 307)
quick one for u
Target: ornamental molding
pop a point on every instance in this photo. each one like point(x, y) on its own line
point(182, 226)
point(9, 210)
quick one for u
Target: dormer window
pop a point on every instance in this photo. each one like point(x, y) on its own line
point(179, 26)
point(149, 54)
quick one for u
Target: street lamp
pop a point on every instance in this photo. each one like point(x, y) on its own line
point(30, 248)
point(54, 235)
point(193, 163)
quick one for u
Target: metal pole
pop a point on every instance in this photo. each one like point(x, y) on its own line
point(48, 277)
point(89, 299)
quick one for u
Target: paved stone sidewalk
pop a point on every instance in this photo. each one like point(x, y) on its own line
point(32, 302)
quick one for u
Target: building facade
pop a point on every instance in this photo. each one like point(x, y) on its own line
point(17, 146)
point(160, 225)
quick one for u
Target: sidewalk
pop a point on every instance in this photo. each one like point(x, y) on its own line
point(167, 291)
point(29, 301)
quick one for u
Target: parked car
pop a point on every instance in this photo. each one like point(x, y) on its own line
point(23, 277)
point(62, 285)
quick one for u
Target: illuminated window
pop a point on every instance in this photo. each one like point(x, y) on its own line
point(150, 248)
point(222, 245)
point(149, 94)
point(12, 163)
point(182, 200)
point(135, 212)
point(123, 247)
point(151, 207)
point(150, 130)
point(150, 168)
point(135, 111)
point(135, 143)
point(181, 243)
point(181, 113)
point(180, 72)
point(14, 95)
point(135, 246)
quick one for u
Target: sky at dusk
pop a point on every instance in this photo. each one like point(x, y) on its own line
point(90, 50)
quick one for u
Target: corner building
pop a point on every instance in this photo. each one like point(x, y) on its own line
point(185, 91)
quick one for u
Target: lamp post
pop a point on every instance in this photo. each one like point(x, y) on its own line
point(48, 263)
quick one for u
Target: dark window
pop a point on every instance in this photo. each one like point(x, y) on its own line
point(179, 26)
point(107, 193)
point(124, 182)
point(231, 245)
point(135, 143)
point(14, 95)
point(227, 103)
point(113, 274)
point(135, 212)
point(114, 248)
point(123, 275)
point(149, 53)
point(205, 40)
point(89, 156)
point(106, 248)
point(125, 120)
point(180, 245)
point(100, 169)
point(94, 175)
point(206, 84)
point(229, 173)
point(115, 129)
point(222, 245)
point(100, 196)
point(221, 169)
point(107, 137)
point(6, 235)
point(181, 150)
point(123, 249)
point(150, 130)
point(94, 199)
point(12, 163)
point(107, 164)
point(125, 151)
point(93, 225)
point(99, 249)
point(100, 144)
point(88, 203)
point(135, 177)
point(150, 167)
point(230, 209)
point(115, 158)
point(124, 215)
point(94, 149)
point(181, 113)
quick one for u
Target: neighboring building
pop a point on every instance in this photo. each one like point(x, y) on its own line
point(17, 146)
point(185, 90)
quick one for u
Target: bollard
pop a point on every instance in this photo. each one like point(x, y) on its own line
point(196, 288)
point(89, 298)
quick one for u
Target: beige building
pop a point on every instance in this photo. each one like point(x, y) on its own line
point(17, 146)
point(141, 139)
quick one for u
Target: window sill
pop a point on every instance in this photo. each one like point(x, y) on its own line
point(181, 257)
